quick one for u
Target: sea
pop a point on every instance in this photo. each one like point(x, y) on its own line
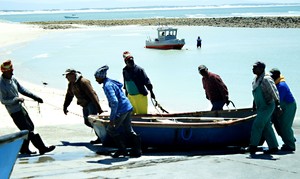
point(228, 52)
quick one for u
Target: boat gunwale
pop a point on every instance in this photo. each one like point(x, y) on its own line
point(200, 124)
point(8, 138)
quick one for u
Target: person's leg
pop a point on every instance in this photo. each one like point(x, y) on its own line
point(139, 103)
point(117, 137)
point(133, 103)
point(23, 122)
point(135, 139)
point(91, 109)
point(270, 137)
point(285, 123)
point(268, 132)
point(86, 113)
point(39, 144)
point(259, 124)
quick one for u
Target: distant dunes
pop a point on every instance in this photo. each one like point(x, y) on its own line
point(250, 22)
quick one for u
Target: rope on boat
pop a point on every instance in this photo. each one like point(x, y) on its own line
point(231, 102)
point(157, 105)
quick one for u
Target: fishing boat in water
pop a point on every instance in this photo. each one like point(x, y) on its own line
point(73, 16)
point(10, 146)
point(191, 129)
point(166, 39)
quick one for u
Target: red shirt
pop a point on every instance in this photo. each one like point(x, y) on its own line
point(214, 87)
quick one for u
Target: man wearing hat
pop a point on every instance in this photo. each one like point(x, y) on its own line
point(9, 96)
point(266, 100)
point(283, 123)
point(135, 83)
point(87, 98)
point(120, 114)
point(215, 89)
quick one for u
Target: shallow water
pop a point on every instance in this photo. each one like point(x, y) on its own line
point(229, 52)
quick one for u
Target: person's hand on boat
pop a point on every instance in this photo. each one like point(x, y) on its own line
point(227, 101)
point(254, 106)
point(39, 100)
point(66, 111)
point(112, 123)
point(21, 100)
point(100, 111)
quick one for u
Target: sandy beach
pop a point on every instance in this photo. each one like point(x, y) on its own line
point(75, 157)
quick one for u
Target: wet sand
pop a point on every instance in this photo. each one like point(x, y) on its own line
point(74, 157)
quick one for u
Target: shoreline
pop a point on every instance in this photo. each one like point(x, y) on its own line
point(15, 33)
point(239, 22)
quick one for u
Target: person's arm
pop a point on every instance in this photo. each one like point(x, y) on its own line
point(269, 88)
point(147, 83)
point(26, 92)
point(124, 86)
point(68, 99)
point(223, 89)
point(112, 100)
point(204, 87)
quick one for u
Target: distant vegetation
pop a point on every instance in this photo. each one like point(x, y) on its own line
point(250, 22)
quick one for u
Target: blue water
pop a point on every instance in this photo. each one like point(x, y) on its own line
point(165, 12)
point(229, 52)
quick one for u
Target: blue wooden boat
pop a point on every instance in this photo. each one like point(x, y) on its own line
point(10, 146)
point(191, 129)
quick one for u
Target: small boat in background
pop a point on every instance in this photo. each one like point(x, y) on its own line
point(72, 16)
point(185, 130)
point(167, 39)
point(10, 146)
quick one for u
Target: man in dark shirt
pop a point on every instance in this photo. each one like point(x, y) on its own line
point(215, 89)
point(135, 83)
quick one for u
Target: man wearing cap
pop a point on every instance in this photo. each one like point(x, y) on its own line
point(87, 98)
point(266, 100)
point(135, 83)
point(9, 96)
point(283, 123)
point(215, 89)
point(120, 114)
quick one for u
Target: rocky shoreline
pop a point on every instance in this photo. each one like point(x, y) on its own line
point(249, 22)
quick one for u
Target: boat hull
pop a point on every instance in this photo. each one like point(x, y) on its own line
point(195, 129)
point(165, 45)
point(10, 146)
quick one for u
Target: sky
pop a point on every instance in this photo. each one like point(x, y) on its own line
point(78, 4)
